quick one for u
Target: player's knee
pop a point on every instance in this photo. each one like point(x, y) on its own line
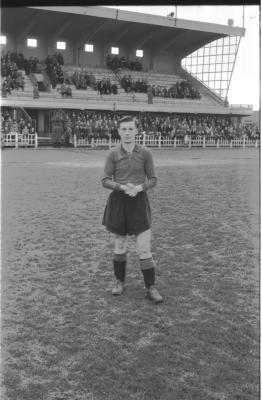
point(144, 253)
point(120, 246)
point(120, 257)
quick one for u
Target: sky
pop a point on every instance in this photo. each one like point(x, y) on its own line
point(245, 83)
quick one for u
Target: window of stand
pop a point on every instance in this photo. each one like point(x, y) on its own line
point(2, 39)
point(139, 53)
point(31, 42)
point(89, 48)
point(114, 50)
point(61, 45)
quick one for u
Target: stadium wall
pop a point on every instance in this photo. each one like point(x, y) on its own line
point(39, 51)
point(165, 62)
point(75, 55)
point(92, 59)
point(11, 44)
point(41, 121)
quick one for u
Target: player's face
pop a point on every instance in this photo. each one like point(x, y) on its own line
point(127, 131)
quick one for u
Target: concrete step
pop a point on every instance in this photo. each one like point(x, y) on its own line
point(45, 141)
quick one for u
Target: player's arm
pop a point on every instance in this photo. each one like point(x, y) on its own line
point(107, 180)
point(150, 173)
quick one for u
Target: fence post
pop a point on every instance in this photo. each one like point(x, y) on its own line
point(204, 141)
point(92, 143)
point(144, 140)
point(244, 142)
point(231, 144)
point(159, 141)
point(189, 142)
point(36, 140)
point(16, 140)
point(175, 141)
point(110, 142)
point(218, 143)
point(256, 143)
point(75, 141)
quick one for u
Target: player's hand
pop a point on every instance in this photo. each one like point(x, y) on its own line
point(123, 187)
point(131, 190)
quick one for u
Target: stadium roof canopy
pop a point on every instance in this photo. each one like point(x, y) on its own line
point(114, 27)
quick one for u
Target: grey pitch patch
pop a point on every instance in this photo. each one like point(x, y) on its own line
point(75, 164)
point(159, 163)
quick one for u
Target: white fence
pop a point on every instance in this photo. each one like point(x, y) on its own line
point(14, 139)
point(166, 142)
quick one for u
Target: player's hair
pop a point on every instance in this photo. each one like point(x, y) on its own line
point(127, 118)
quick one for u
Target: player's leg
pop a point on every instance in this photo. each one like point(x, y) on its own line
point(119, 263)
point(147, 264)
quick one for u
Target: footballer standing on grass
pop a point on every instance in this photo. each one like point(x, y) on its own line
point(129, 172)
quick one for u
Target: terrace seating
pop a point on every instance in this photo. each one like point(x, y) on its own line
point(133, 99)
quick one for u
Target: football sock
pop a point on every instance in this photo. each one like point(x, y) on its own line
point(148, 270)
point(119, 267)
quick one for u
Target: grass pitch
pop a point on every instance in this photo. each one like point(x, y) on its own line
point(65, 337)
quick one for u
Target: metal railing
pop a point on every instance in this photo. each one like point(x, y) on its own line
point(249, 106)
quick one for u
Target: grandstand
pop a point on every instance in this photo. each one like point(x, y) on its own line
point(65, 69)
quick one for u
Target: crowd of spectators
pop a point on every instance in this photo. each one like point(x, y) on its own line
point(54, 69)
point(65, 90)
point(28, 65)
point(13, 77)
point(115, 62)
point(131, 85)
point(180, 90)
point(92, 124)
point(12, 63)
point(180, 125)
point(22, 126)
point(81, 79)
point(249, 130)
point(11, 82)
point(106, 87)
point(102, 124)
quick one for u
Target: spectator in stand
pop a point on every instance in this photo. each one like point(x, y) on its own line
point(25, 132)
point(65, 90)
point(20, 82)
point(68, 91)
point(14, 127)
point(130, 85)
point(92, 81)
point(5, 88)
point(21, 125)
point(54, 70)
point(105, 87)
point(115, 62)
point(67, 135)
point(10, 82)
point(35, 91)
point(76, 131)
point(59, 58)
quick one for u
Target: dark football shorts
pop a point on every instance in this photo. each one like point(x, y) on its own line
point(125, 215)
